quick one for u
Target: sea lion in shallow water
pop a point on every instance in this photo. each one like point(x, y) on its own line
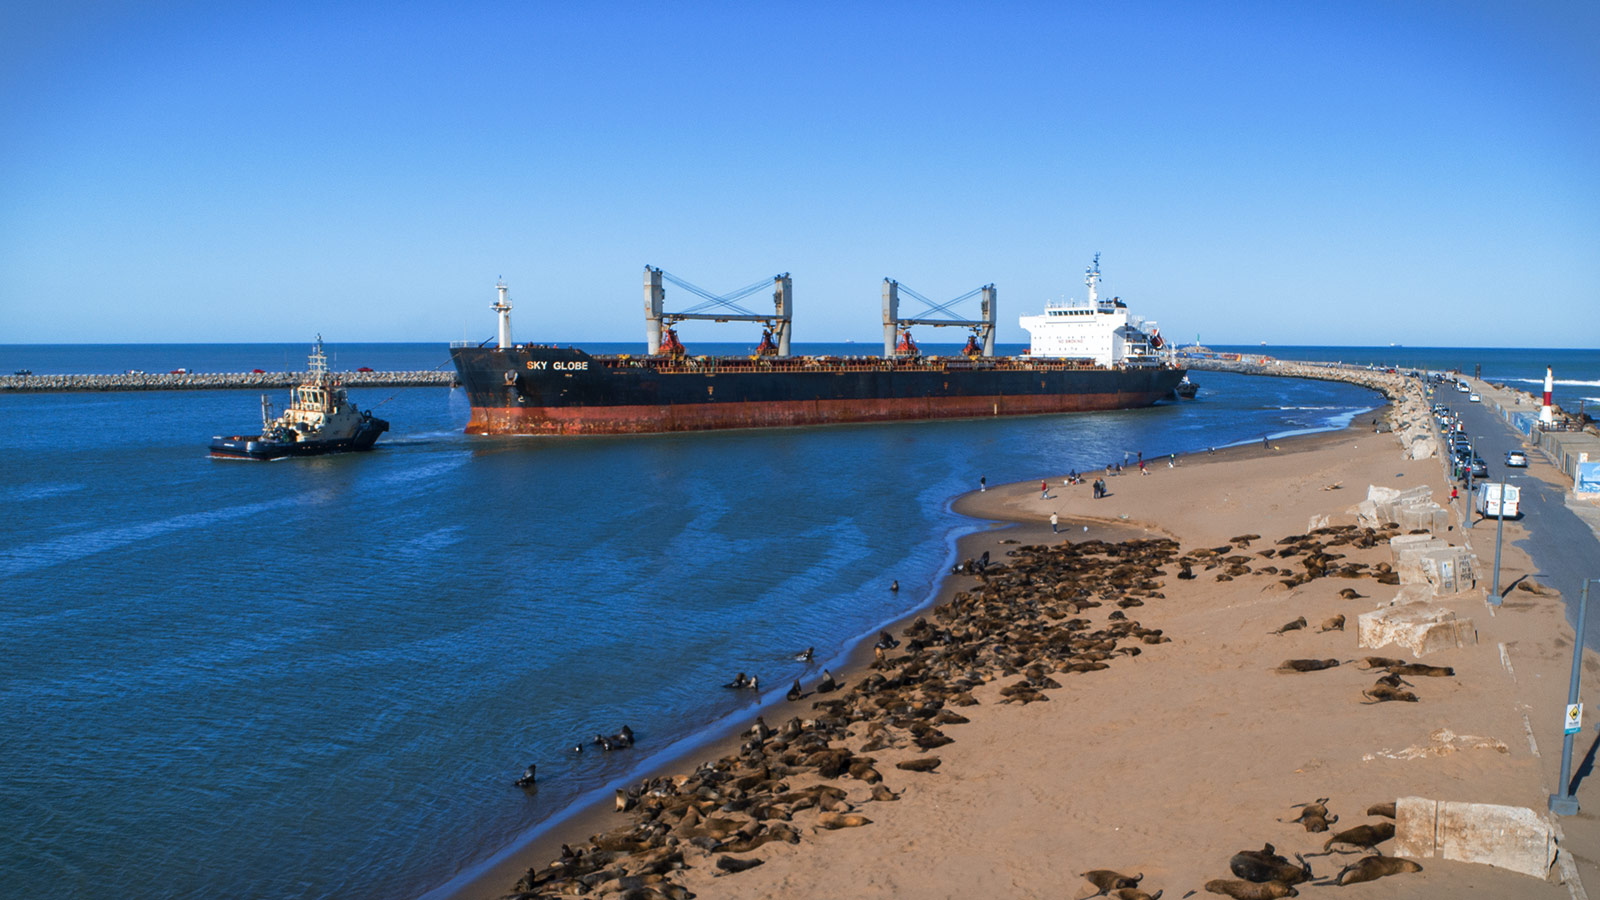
point(1371, 868)
point(1107, 880)
point(1248, 890)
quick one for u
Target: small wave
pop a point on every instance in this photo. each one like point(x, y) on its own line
point(1565, 382)
point(72, 547)
point(38, 492)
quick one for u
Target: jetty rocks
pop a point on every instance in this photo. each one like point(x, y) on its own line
point(213, 381)
point(1028, 622)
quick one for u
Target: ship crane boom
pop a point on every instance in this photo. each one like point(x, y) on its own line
point(937, 315)
point(716, 307)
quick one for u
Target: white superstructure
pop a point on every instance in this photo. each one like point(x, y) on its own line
point(1101, 330)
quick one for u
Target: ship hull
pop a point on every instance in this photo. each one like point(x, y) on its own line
point(253, 447)
point(551, 391)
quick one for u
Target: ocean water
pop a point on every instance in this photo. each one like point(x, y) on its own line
point(317, 678)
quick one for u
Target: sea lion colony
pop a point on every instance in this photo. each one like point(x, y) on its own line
point(1024, 619)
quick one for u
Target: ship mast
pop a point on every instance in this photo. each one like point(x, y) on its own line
point(503, 308)
point(1091, 277)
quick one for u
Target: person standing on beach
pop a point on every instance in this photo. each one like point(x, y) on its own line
point(1055, 520)
point(1044, 490)
point(1142, 468)
point(983, 483)
point(1172, 460)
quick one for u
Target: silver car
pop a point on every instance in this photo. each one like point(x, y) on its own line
point(1516, 459)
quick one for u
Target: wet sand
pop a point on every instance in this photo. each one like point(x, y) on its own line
point(1169, 762)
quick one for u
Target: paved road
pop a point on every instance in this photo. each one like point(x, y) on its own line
point(1562, 546)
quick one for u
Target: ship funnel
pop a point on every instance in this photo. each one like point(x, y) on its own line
point(503, 307)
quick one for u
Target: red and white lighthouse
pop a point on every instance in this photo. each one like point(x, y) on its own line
point(1546, 415)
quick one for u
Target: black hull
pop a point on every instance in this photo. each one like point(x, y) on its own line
point(549, 390)
point(251, 446)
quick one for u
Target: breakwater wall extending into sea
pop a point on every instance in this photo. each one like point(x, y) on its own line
point(1390, 384)
point(212, 381)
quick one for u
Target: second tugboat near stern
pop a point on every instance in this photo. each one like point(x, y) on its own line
point(319, 419)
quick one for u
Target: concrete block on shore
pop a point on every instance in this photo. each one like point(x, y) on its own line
point(1449, 569)
point(1419, 627)
point(1506, 837)
point(1424, 447)
point(1514, 838)
point(1417, 542)
point(1415, 821)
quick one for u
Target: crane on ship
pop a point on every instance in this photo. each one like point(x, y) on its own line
point(897, 340)
point(662, 338)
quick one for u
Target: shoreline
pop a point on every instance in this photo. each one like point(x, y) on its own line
point(992, 528)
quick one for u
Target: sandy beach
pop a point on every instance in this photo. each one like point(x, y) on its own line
point(1185, 746)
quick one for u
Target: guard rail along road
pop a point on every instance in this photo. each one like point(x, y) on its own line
point(211, 381)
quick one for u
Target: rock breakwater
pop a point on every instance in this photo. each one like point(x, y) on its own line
point(212, 381)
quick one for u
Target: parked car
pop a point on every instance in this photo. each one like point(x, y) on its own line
point(1516, 459)
point(1474, 398)
point(258, 371)
point(1480, 469)
point(364, 369)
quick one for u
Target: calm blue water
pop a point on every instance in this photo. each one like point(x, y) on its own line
point(316, 678)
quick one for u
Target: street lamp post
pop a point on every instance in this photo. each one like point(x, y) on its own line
point(1566, 802)
point(1499, 529)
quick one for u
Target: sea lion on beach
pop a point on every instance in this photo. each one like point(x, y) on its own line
point(1380, 662)
point(1133, 894)
point(1334, 624)
point(1108, 881)
point(731, 864)
point(1247, 890)
point(795, 692)
point(1382, 809)
point(835, 820)
point(1382, 693)
point(827, 685)
point(1266, 865)
point(1307, 665)
point(1288, 626)
point(1371, 868)
point(1350, 594)
point(1364, 836)
point(1424, 670)
point(923, 764)
point(886, 641)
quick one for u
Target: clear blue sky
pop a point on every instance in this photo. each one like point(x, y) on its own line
point(1290, 172)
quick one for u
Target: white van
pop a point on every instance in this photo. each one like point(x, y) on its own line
point(1487, 500)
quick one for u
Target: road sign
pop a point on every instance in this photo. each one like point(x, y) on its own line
point(1574, 718)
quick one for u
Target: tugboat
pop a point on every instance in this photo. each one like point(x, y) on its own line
point(1186, 389)
point(320, 419)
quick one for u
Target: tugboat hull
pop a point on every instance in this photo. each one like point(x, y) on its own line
point(251, 446)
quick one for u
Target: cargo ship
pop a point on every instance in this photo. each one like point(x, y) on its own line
point(1091, 355)
point(319, 419)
